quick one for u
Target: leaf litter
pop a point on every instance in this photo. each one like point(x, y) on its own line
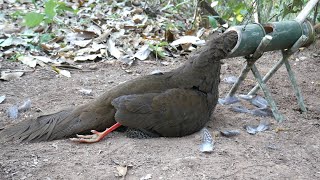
point(94, 31)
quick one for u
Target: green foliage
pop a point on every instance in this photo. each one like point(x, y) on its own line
point(235, 11)
point(44, 38)
point(17, 14)
point(213, 22)
point(14, 57)
point(51, 9)
point(33, 19)
point(158, 49)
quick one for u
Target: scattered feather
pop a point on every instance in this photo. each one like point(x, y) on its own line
point(25, 106)
point(87, 92)
point(228, 100)
point(245, 96)
point(260, 102)
point(2, 98)
point(239, 109)
point(257, 100)
point(254, 130)
point(230, 133)
point(261, 112)
point(230, 79)
point(13, 112)
point(207, 141)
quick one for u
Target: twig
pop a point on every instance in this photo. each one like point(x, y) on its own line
point(19, 70)
point(315, 14)
point(206, 6)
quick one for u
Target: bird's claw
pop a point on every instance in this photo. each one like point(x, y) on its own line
point(94, 137)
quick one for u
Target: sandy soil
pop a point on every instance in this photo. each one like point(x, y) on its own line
point(289, 154)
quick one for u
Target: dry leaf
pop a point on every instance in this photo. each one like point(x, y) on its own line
point(13, 41)
point(65, 73)
point(103, 36)
point(62, 72)
point(7, 75)
point(188, 40)
point(82, 43)
point(137, 18)
point(113, 50)
point(122, 171)
point(43, 59)
point(28, 60)
point(146, 177)
point(87, 57)
point(143, 53)
point(117, 35)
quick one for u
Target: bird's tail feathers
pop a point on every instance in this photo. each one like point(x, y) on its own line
point(40, 129)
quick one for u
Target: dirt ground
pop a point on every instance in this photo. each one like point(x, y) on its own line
point(289, 154)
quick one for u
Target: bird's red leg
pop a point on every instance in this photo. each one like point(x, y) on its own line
point(96, 136)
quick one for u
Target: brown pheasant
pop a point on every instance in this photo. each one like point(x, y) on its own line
point(171, 104)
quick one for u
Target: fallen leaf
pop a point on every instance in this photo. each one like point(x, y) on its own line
point(13, 41)
point(43, 59)
point(28, 60)
point(103, 36)
point(7, 75)
point(65, 73)
point(113, 50)
point(118, 34)
point(143, 53)
point(87, 57)
point(137, 18)
point(122, 171)
point(82, 43)
point(146, 177)
point(62, 72)
point(188, 40)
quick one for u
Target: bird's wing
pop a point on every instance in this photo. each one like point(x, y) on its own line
point(175, 112)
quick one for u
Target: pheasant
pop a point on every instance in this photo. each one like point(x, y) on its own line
point(169, 104)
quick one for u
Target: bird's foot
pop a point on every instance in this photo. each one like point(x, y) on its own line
point(95, 136)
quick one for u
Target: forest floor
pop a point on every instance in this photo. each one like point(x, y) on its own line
point(288, 150)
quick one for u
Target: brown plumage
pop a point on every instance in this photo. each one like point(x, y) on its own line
point(174, 103)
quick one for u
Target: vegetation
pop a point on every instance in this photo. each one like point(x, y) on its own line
point(53, 31)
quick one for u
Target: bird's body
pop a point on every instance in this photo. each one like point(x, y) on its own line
point(174, 103)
